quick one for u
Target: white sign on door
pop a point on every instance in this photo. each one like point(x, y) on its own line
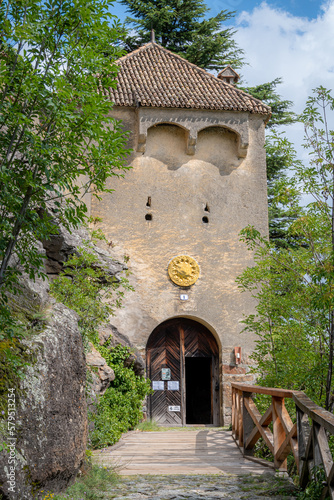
point(173, 385)
point(174, 408)
point(158, 385)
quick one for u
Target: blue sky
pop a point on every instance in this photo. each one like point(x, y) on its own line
point(306, 8)
point(291, 39)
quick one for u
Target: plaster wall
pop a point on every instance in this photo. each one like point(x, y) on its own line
point(216, 182)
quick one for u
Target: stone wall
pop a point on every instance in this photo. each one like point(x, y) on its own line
point(177, 201)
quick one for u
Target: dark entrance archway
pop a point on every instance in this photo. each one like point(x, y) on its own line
point(183, 364)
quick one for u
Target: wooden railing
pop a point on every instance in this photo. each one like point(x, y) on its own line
point(307, 438)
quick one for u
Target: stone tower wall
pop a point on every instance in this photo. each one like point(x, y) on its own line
point(198, 177)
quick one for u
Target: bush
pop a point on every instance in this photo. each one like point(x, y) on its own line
point(88, 289)
point(120, 408)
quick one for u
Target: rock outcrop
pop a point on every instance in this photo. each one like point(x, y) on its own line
point(59, 248)
point(100, 373)
point(110, 332)
point(51, 417)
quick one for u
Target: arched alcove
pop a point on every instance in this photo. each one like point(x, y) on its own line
point(183, 364)
point(167, 143)
point(218, 146)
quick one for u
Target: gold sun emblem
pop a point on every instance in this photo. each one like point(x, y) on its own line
point(183, 270)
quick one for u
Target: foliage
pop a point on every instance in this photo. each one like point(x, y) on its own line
point(280, 156)
point(94, 484)
point(294, 286)
point(14, 357)
point(88, 288)
point(148, 426)
point(16, 353)
point(182, 27)
point(280, 108)
point(120, 408)
point(53, 133)
point(314, 489)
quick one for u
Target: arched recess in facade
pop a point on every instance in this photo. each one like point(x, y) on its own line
point(183, 364)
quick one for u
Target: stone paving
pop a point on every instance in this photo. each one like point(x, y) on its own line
point(203, 487)
point(198, 464)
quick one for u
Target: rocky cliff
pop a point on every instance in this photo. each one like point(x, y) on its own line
point(51, 426)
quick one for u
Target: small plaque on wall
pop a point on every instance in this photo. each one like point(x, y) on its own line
point(174, 408)
point(173, 385)
point(158, 385)
point(166, 374)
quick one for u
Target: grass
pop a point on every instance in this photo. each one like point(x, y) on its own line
point(96, 484)
point(267, 484)
point(148, 425)
point(153, 426)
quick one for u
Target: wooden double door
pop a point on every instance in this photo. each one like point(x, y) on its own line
point(183, 366)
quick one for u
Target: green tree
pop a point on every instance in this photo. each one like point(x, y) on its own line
point(280, 156)
point(55, 132)
point(280, 108)
point(181, 26)
point(294, 286)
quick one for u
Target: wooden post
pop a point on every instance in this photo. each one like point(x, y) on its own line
point(317, 461)
point(183, 378)
point(248, 424)
point(240, 422)
point(278, 432)
point(237, 416)
point(233, 411)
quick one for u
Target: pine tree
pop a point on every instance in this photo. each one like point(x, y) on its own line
point(279, 158)
point(280, 108)
point(181, 26)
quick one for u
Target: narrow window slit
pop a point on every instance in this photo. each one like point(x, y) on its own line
point(148, 217)
point(148, 204)
point(207, 209)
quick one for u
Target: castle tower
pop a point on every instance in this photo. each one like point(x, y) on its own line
point(198, 177)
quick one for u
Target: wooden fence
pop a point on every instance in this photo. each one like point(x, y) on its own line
point(307, 438)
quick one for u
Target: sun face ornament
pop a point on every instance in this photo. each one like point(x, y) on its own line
point(183, 270)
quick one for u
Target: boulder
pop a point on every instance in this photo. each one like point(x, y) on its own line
point(110, 332)
point(59, 248)
point(101, 374)
point(51, 416)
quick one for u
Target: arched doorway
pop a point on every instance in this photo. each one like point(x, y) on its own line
point(183, 364)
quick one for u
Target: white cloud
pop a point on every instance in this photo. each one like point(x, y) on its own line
point(298, 49)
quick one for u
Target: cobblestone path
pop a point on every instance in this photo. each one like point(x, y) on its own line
point(203, 487)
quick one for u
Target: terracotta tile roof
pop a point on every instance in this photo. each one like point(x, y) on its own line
point(153, 76)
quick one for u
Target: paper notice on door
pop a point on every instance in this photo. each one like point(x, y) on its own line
point(158, 385)
point(173, 385)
